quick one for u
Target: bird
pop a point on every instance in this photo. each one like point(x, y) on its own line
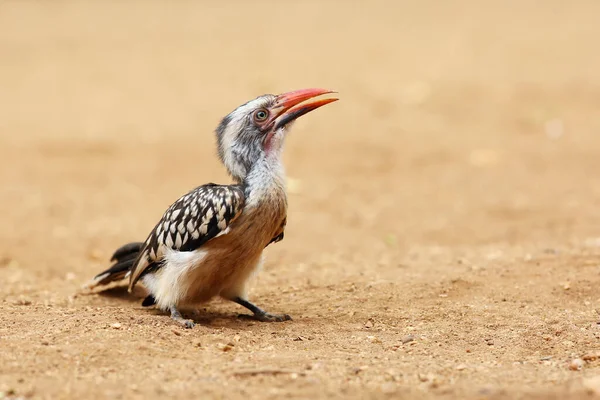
point(210, 241)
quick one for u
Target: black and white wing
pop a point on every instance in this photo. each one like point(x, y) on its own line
point(191, 221)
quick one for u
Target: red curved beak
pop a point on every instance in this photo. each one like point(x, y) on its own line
point(285, 111)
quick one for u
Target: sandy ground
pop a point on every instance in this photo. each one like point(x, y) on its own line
point(443, 235)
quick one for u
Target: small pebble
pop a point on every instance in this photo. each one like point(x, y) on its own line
point(576, 364)
point(426, 378)
point(461, 367)
point(591, 356)
point(225, 347)
point(176, 332)
point(407, 339)
point(369, 324)
point(22, 302)
point(373, 339)
point(197, 343)
point(8, 393)
point(70, 276)
point(358, 370)
point(116, 325)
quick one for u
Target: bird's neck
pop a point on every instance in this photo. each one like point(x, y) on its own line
point(266, 179)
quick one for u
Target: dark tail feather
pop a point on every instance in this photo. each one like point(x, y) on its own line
point(149, 301)
point(127, 249)
point(124, 258)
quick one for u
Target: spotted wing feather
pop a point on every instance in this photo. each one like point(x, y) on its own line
point(191, 221)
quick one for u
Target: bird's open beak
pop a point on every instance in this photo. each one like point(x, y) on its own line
point(284, 111)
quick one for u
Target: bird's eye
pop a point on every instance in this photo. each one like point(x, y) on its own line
point(261, 115)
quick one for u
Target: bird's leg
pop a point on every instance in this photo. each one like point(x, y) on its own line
point(260, 314)
point(176, 315)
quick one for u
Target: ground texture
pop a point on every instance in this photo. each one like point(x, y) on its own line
point(443, 235)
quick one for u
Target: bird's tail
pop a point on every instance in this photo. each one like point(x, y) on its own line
point(123, 258)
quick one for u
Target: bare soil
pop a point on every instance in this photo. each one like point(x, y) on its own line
point(443, 235)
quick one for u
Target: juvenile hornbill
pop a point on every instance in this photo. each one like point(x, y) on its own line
point(210, 241)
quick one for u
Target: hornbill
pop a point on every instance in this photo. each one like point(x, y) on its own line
point(210, 241)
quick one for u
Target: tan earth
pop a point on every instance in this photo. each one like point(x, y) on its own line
point(443, 235)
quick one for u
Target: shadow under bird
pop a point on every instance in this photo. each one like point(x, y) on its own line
point(210, 241)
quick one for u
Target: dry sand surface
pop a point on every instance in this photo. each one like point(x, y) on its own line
point(443, 235)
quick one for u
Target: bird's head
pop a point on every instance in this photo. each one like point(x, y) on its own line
point(255, 131)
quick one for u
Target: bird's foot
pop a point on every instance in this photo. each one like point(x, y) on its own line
point(259, 313)
point(267, 317)
point(176, 316)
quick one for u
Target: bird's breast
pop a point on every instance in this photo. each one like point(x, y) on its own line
point(263, 219)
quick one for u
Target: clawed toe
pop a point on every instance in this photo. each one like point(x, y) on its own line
point(266, 317)
point(176, 316)
point(186, 323)
point(276, 317)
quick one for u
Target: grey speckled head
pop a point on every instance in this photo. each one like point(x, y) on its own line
point(240, 136)
point(255, 130)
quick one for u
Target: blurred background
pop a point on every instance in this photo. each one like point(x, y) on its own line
point(464, 149)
